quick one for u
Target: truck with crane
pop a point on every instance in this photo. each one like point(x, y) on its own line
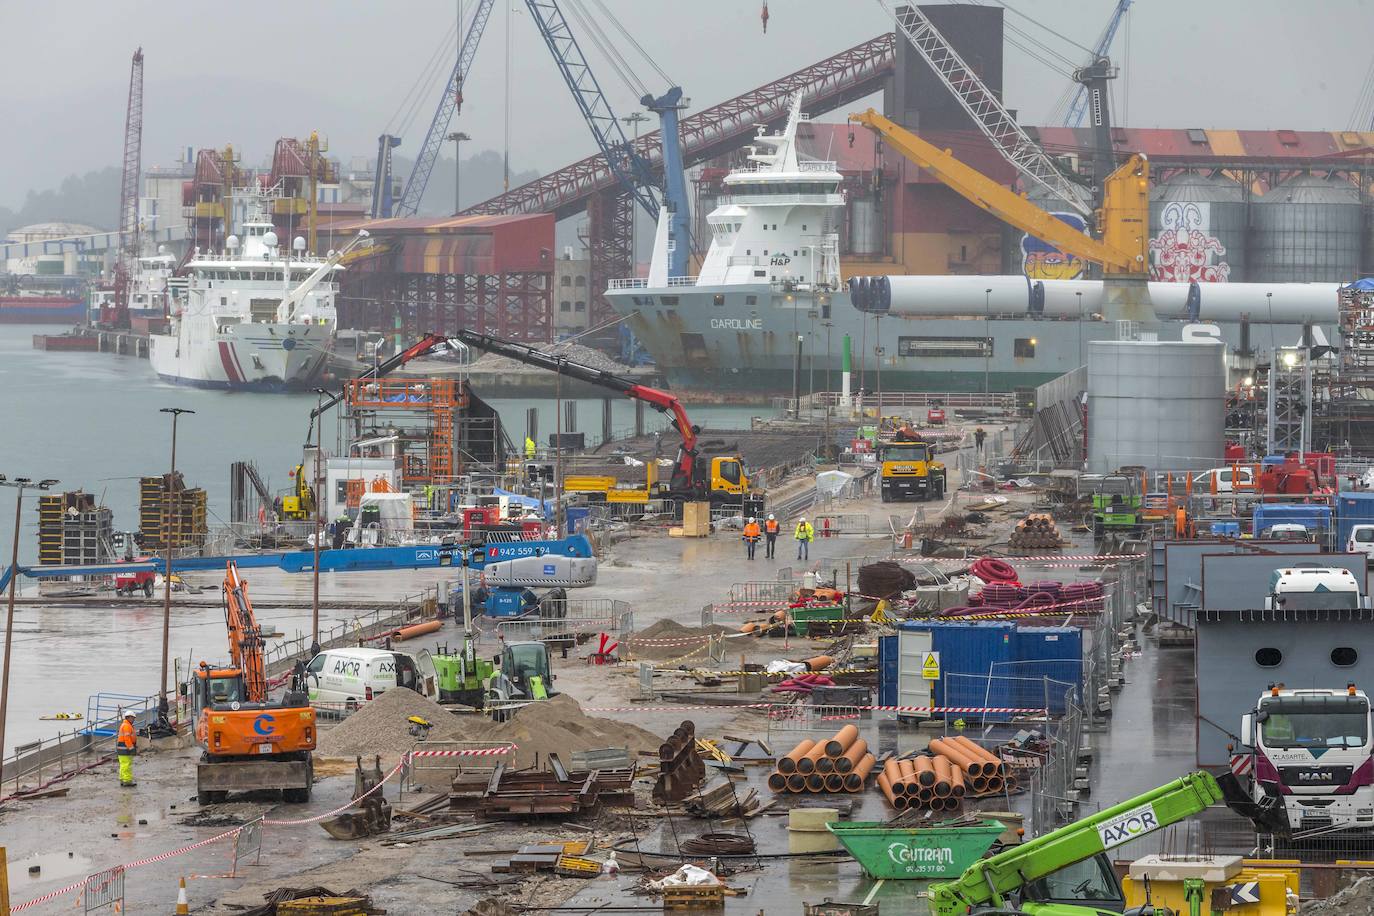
point(720, 479)
point(249, 741)
point(1067, 872)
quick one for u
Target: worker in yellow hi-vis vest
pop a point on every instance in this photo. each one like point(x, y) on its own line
point(804, 535)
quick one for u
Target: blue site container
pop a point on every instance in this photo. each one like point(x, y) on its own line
point(889, 654)
point(1047, 652)
point(1226, 529)
point(970, 653)
point(576, 518)
point(1352, 508)
point(1315, 517)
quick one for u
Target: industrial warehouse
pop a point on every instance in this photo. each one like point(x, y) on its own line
point(939, 479)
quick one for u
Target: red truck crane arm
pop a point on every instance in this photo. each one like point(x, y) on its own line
point(245, 638)
point(685, 470)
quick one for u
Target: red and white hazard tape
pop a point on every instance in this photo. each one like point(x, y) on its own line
point(1104, 558)
point(469, 752)
point(630, 641)
point(796, 706)
point(344, 807)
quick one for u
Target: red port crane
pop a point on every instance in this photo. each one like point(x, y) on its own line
point(117, 315)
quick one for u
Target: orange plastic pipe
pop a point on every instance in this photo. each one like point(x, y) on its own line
point(796, 783)
point(956, 782)
point(944, 781)
point(815, 782)
point(807, 763)
point(818, 662)
point(834, 783)
point(897, 801)
point(418, 629)
point(854, 781)
point(852, 755)
point(991, 765)
point(777, 782)
point(925, 771)
point(825, 765)
point(957, 756)
point(788, 762)
point(894, 775)
point(837, 745)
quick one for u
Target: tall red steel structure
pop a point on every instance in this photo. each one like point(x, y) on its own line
point(589, 184)
point(117, 315)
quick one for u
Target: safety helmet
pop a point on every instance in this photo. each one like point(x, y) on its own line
point(771, 518)
point(752, 519)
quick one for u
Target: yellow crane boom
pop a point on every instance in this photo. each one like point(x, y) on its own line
point(1123, 219)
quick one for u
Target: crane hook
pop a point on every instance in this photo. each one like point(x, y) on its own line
point(763, 16)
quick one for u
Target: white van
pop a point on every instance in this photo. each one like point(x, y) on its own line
point(1361, 540)
point(1225, 479)
point(349, 677)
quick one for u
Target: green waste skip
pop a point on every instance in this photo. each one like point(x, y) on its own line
point(895, 853)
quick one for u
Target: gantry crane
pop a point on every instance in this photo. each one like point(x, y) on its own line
point(1077, 99)
point(117, 314)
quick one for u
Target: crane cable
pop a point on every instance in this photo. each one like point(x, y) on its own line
point(625, 34)
point(598, 37)
point(424, 79)
point(1362, 115)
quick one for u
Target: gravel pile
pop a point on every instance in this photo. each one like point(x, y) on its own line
point(560, 726)
point(1355, 900)
point(667, 639)
point(380, 727)
point(573, 352)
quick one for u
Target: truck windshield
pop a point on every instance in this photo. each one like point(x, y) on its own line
point(1315, 722)
point(1319, 601)
point(529, 660)
point(905, 453)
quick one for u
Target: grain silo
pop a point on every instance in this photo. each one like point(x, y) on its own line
point(1198, 230)
point(1306, 229)
point(1160, 405)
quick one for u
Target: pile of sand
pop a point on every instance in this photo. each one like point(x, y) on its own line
point(1355, 900)
point(380, 727)
point(559, 725)
point(667, 639)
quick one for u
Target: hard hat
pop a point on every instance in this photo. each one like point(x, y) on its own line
point(803, 518)
point(770, 517)
point(752, 519)
point(128, 715)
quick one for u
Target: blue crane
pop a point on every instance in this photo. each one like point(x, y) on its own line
point(451, 100)
point(630, 168)
point(1078, 105)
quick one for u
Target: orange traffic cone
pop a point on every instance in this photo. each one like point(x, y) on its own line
point(182, 906)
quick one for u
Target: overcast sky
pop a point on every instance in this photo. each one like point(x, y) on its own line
point(251, 71)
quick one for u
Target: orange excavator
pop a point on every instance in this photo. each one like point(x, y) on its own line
point(250, 743)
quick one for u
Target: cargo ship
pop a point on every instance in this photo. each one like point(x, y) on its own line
point(768, 308)
point(42, 309)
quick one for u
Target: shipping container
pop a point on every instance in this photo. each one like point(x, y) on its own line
point(1316, 518)
point(1048, 654)
point(1352, 509)
point(969, 653)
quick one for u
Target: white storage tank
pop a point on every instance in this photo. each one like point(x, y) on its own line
point(865, 226)
point(1160, 405)
point(1307, 229)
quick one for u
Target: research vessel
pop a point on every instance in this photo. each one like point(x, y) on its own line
point(256, 315)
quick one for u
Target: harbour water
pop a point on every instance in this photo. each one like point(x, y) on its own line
point(96, 417)
point(91, 421)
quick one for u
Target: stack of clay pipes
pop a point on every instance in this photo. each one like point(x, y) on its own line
point(984, 772)
point(841, 764)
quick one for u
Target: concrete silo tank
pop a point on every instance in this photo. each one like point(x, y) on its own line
point(1198, 230)
point(1306, 229)
point(1156, 404)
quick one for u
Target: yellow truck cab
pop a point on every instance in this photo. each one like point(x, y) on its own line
point(908, 470)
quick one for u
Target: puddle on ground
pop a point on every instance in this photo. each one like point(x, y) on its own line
point(52, 865)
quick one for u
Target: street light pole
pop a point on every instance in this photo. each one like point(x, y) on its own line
point(457, 137)
point(1080, 328)
point(19, 484)
point(319, 526)
point(987, 343)
point(167, 498)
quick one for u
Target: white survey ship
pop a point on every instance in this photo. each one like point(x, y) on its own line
point(254, 316)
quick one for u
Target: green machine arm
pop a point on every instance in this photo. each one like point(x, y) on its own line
point(987, 882)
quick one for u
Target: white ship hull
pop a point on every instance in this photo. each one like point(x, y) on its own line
point(249, 356)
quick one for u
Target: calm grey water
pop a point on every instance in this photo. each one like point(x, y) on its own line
point(91, 420)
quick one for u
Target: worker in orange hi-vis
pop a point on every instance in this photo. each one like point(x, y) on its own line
point(751, 536)
point(126, 745)
point(770, 535)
